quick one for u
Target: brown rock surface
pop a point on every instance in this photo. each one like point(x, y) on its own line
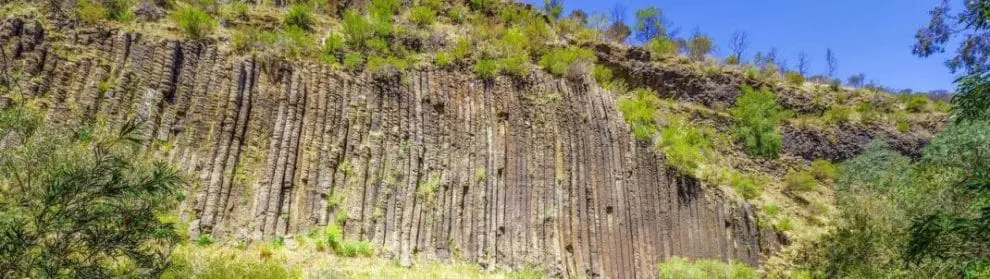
point(507, 173)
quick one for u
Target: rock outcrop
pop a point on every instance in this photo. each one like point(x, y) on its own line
point(428, 163)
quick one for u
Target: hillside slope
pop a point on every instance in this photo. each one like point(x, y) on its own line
point(440, 163)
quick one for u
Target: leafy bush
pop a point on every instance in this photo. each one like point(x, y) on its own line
point(800, 181)
point(295, 42)
point(91, 207)
point(602, 74)
point(559, 61)
point(299, 16)
point(784, 224)
point(443, 59)
point(353, 60)
point(757, 115)
point(356, 28)
point(194, 22)
point(794, 78)
point(835, 85)
point(462, 49)
point(837, 115)
point(915, 103)
point(90, 11)
point(745, 185)
point(516, 64)
point(681, 268)
point(902, 123)
point(684, 145)
point(486, 68)
point(120, 10)
point(334, 44)
point(422, 15)
point(347, 248)
point(638, 108)
point(824, 170)
point(662, 46)
point(379, 64)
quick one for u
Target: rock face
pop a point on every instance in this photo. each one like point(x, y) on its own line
point(428, 163)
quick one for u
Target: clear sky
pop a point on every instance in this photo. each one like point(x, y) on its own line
point(869, 36)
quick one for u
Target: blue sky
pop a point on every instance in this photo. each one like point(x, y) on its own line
point(869, 36)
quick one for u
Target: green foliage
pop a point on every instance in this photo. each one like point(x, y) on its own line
point(681, 268)
point(462, 49)
point(902, 123)
point(784, 224)
point(422, 15)
point(560, 61)
point(639, 108)
point(90, 11)
point(745, 185)
point(486, 68)
point(800, 181)
point(662, 46)
point(384, 8)
point(684, 145)
point(334, 44)
point(973, 100)
point(204, 239)
point(915, 103)
point(295, 41)
point(299, 16)
point(378, 64)
point(649, 24)
point(120, 10)
point(835, 85)
point(221, 263)
point(194, 22)
point(757, 115)
point(602, 74)
point(427, 188)
point(90, 192)
point(824, 170)
point(771, 209)
point(837, 115)
point(353, 60)
point(347, 248)
point(443, 59)
point(794, 78)
point(553, 8)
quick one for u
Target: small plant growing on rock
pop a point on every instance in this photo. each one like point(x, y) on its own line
point(486, 68)
point(800, 181)
point(794, 78)
point(824, 170)
point(299, 16)
point(422, 15)
point(560, 61)
point(194, 22)
point(638, 109)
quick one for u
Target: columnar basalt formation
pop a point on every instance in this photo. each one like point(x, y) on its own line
point(431, 163)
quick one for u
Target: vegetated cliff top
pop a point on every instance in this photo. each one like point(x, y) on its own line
point(689, 108)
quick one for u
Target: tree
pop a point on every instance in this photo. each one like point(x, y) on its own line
point(971, 26)
point(618, 32)
point(972, 103)
point(649, 24)
point(831, 63)
point(739, 42)
point(803, 63)
point(856, 80)
point(757, 115)
point(579, 16)
point(92, 204)
point(699, 46)
point(618, 13)
point(553, 8)
point(598, 21)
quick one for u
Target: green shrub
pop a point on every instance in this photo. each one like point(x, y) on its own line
point(824, 169)
point(384, 8)
point(837, 115)
point(784, 224)
point(94, 203)
point(684, 145)
point(353, 60)
point(794, 78)
point(379, 64)
point(462, 49)
point(90, 11)
point(299, 16)
point(681, 268)
point(732, 60)
point(699, 46)
point(559, 61)
point(457, 13)
point(486, 68)
point(638, 108)
point(902, 123)
point(194, 22)
point(771, 209)
point(602, 74)
point(516, 64)
point(800, 181)
point(443, 59)
point(333, 44)
point(757, 115)
point(357, 28)
point(422, 15)
point(204, 239)
point(120, 10)
point(915, 103)
point(745, 185)
point(334, 236)
point(295, 41)
point(835, 85)
point(662, 46)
